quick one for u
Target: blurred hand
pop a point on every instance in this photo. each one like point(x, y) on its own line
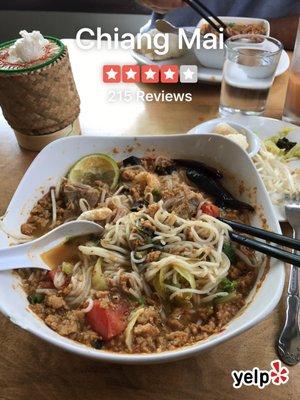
point(161, 6)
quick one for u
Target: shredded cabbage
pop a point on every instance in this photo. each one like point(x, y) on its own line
point(277, 177)
point(98, 280)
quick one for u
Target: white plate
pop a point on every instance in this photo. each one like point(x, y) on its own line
point(55, 160)
point(265, 127)
point(211, 75)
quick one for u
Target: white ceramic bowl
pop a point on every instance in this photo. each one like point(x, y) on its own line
point(214, 58)
point(208, 127)
point(54, 161)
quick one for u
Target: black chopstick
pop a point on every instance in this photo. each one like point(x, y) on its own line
point(202, 10)
point(267, 249)
point(262, 234)
point(215, 17)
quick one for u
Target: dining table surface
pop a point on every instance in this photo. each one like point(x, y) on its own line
point(33, 369)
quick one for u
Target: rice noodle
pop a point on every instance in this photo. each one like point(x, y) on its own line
point(89, 306)
point(59, 279)
point(57, 188)
point(202, 258)
point(81, 285)
point(54, 208)
point(251, 263)
point(84, 205)
point(132, 321)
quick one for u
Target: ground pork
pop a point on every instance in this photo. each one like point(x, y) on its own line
point(226, 311)
point(153, 256)
point(65, 324)
point(55, 302)
point(40, 216)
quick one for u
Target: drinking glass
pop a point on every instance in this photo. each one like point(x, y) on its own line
point(248, 73)
point(291, 111)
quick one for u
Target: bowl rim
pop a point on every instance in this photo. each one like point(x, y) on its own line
point(255, 139)
point(166, 356)
point(228, 18)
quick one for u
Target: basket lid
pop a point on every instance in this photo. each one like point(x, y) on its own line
point(54, 50)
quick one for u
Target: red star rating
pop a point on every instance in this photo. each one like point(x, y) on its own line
point(145, 74)
point(111, 73)
point(169, 74)
point(131, 73)
point(150, 73)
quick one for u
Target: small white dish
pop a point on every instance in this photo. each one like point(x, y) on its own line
point(214, 58)
point(55, 160)
point(263, 128)
point(208, 127)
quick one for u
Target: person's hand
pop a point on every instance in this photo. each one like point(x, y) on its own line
point(162, 6)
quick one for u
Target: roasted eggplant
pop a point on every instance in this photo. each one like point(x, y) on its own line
point(132, 160)
point(164, 170)
point(215, 189)
point(201, 167)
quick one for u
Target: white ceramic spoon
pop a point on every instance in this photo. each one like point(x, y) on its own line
point(28, 255)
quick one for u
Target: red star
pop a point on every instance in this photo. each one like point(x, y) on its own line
point(169, 73)
point(131, 73)
point(111, 73)
point(150, 73)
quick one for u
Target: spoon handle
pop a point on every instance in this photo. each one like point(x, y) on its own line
point(27, 255)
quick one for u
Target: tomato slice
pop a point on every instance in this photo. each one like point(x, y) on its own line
point(51, 274)
point(107, 322)
point(48, 279)
point(210, 209)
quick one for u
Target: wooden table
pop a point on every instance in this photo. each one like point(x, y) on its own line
point(32, 369)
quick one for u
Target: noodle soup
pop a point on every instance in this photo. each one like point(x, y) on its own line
point(163, 275)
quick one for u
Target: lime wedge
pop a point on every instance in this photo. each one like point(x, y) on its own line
point(95, 167)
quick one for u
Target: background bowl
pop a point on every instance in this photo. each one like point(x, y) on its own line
point(208, 127)
point(53, 163)
point(214, 58)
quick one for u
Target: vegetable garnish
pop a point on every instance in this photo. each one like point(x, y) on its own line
point(36, 298)
point(229, 251)
point(95, 167)
point(98, 280)
point(156, 195)
point(227, 285)
point(282, 147)
point(285, 144)
point(67, 268)
point(230, 297)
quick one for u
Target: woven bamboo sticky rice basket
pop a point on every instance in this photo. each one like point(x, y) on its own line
point(40, 100)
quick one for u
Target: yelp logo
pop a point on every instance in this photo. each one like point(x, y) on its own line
point(277, 375)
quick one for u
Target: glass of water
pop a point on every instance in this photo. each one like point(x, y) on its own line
point(291, 112)
point(248, 73)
